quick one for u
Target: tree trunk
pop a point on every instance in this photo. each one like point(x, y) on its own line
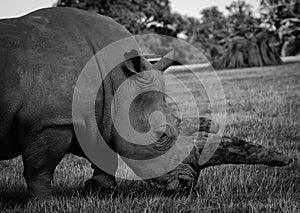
point(252, 52)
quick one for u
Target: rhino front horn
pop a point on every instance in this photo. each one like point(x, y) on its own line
point(166, 61)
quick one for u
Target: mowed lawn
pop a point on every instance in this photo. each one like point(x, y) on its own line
point(263, 106)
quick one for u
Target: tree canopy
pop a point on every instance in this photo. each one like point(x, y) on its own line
point(283, 17)
point(215, 33)
point(240, 19)
point(136, 15)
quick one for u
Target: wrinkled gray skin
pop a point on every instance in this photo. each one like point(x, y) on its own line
point(41, 57)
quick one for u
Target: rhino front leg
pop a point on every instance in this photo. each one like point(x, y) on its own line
point(42, 152)
point(101, 180)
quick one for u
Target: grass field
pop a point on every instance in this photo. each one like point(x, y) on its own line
point(263, 106)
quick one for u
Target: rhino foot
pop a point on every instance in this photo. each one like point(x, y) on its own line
point(101, 180)
point(101, 183)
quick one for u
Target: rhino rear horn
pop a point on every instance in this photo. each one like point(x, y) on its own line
point(166, 61)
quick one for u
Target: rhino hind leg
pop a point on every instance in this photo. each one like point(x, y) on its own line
point(43, 151)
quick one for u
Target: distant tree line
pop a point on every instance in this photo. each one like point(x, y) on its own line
point(238, 39)
point(283, 18)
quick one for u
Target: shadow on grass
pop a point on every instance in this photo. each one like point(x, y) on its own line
point(11, 198)
point(129, 190)
point(133, 189)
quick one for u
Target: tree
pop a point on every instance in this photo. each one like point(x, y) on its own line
point(283, 17)
point(247, 45)
point(214, 23)
point(274, 11)
point(136, 15)
point(207, 32)
point(240, 18)
point(248, 52)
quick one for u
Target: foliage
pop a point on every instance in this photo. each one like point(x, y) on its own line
point(136, 15)
point(254, 51)
point(213, 27)
point(275, 11)
point(214, 23)
point(237, 40)
point(227, 39)
point(240, 18)
point(283, 17)
point(207, 32)
point(212, 33)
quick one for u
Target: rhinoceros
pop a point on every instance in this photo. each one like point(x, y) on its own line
point(41, 57)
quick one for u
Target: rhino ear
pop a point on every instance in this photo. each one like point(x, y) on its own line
point(166, 61)
point(133, 61)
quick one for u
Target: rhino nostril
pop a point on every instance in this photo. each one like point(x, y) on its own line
point(164, 136)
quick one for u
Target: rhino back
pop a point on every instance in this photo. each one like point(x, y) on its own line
point(41, 57)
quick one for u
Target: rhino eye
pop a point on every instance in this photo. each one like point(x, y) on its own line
point(164, 99)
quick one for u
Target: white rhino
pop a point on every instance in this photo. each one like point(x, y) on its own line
point(41, 57)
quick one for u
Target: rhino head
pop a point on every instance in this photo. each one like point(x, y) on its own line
point(145, 130)
point(149, 138)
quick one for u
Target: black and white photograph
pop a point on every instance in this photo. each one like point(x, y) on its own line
point(150, 106)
